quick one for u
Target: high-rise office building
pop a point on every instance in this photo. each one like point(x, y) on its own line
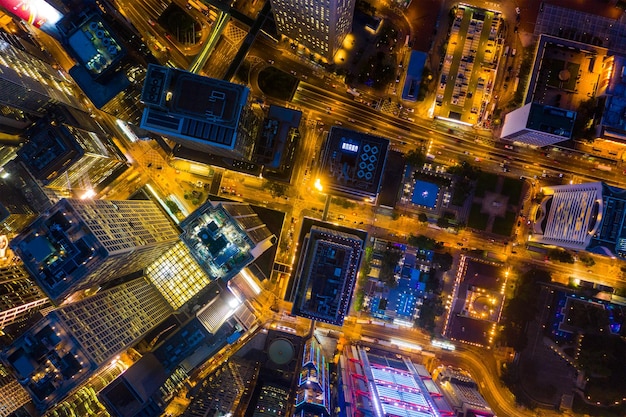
point(198, 112)
point(12, 395)
point(15, 211)
point(110, 321)
point(313, 392)
point(321, 26)
point(64, 348)
point(67, 158)
point(224, 237)
point(19, 295)
point(79, 244)
point(177, 275)
point(538, 124)
point(29, 83)
point(328, 263)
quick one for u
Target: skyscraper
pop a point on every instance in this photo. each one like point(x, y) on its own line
point(313, 392)
point(18, 295)
point(64, 348)
point(321, 26)
point(29, 83)
point(64, 157)
point(225, 237)
point(79, 244)
point(198, 112)
point(328, 263)
point(12, 395)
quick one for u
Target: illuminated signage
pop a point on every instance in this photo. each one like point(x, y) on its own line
point(35, 12)
point(350, 147)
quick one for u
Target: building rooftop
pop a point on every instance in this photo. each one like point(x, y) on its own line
point(200, 110)
point(462, 392)
point(49, 151)
point(381, 382)
point(275, 144)
point(413, 79)
point(48, 343)
point(477, 301)
point(613, 120)
point(130, 392)
point(588, 26)
point(225, 237)
point(352, 163)
point(551, 120)
point(326, 271)
point(95, 46)
point(569, 215)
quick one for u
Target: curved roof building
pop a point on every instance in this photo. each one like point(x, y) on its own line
point(586, 216)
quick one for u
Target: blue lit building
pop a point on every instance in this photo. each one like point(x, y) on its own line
point(313, 391)
point(225, 237)
point(326, 271)
point(400, 303)
point(200, 113)
point(413, 79)
point(352, 163)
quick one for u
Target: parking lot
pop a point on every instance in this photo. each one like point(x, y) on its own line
point(469, 66)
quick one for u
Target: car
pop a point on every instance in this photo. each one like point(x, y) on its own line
point(151, 22)
point(293, 72)
point(517, 11)
point(337, 122)
point(270, 61)
point(328, 110)
point(351, 120)
point(509, 147)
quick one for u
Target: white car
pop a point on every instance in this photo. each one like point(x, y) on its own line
point(517, 11)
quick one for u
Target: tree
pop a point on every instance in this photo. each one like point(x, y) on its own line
point(444, 260)
point(422, 217)
point(275, 189)
point(521, 309)
point(443, 222)
point(432, 308)
point(583, 125)
point(422, 242)
point(561, 256)
point(415, 158)
point(390, 259)
point(172, 206)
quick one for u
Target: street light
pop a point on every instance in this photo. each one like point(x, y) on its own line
point(318, 185)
